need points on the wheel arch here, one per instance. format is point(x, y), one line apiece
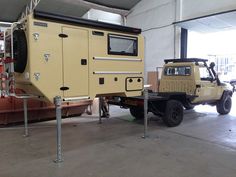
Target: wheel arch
point(227, 92)
point(181, 98)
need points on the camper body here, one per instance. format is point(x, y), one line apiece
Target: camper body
point(77, 58)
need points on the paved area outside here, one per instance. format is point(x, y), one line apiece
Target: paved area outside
point(203, 145)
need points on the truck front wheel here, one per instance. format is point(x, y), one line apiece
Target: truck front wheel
point(137, 112)
point(224, 105)
point(173, 113)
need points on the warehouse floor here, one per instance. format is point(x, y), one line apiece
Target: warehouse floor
point(203, 145)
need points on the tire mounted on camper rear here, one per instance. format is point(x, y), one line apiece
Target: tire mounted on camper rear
point(20, 50)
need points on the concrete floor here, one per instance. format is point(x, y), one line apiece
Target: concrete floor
point(204, 145)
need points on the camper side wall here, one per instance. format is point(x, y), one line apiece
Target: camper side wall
point(73, 61)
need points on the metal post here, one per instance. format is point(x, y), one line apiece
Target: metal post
point(58, 102)
point(26, 118)
point(145, 113)
point(100, 110)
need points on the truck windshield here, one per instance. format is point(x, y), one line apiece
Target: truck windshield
point(205, 74)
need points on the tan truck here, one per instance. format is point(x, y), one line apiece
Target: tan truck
point(184, 83)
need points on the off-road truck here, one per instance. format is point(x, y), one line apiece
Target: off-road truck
point(184, 83)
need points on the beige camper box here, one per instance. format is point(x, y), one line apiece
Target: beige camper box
point(76, 58)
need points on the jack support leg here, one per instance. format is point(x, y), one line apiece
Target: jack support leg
point(58, 103)
point(145, 135)
point(100, 110)
point(26, 133)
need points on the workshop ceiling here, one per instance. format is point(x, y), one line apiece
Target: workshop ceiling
point(213, 23)
point(64, 7)
point(119, 4)
point(10, 10)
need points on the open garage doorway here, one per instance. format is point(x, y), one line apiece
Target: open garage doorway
point(218, 47)
point(212, 37)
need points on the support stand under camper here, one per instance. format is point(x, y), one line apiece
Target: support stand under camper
point(58, 103)
point(145, 105)
point(100, 110)
point(145, 108)
point(25, 106)
point(26, 134)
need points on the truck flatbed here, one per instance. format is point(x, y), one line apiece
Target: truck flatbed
point(155, 96)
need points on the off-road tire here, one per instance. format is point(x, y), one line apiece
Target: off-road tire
point(224, 105)
point(173, 114)
point(20, 50)
point(137, 112)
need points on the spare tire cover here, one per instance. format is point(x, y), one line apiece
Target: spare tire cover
point(20, 50)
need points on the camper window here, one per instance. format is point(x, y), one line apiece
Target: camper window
point(122, 45)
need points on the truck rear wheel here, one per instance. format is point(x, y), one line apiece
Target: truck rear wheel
point(224, 105)
point(137, 112)
point(173, 113)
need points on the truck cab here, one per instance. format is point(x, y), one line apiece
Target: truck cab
point(194, 77)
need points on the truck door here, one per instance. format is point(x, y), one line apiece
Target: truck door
point(75, 62)
point(208, 86)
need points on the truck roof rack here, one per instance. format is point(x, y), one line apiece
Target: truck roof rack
point(185, 60)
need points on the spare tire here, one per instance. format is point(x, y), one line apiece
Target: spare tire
point(20, 50)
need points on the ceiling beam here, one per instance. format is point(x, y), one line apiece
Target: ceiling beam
point(28, 9)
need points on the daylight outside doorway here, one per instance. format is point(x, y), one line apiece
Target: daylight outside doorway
point(218, 47)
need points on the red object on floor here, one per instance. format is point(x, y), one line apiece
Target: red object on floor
point(11, 110)
point(1, 68)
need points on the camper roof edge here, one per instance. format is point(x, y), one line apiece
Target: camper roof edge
point(84, 22)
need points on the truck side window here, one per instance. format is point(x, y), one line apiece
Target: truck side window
point(122, 45)
point(205, 74)
point(178, 71)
